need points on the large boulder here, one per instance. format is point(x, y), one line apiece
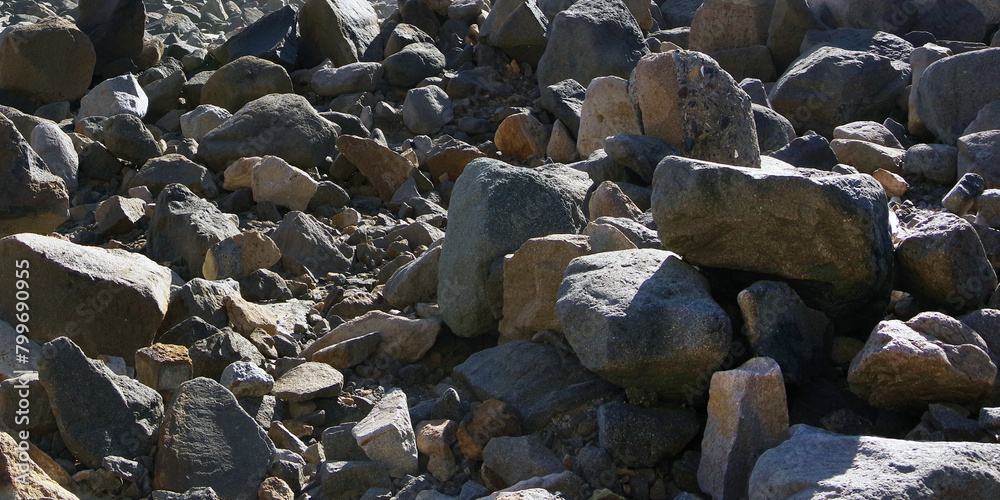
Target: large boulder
point(592, 38)
point(243, 80)
point(32, 199)
point(819, 462)
point(49, 61)
point(184, 226)
point(643, 319)
point(730, 24)
point(98, 413)
point(948, 99)
point(686, 99)
point(116, 28)
point(487, 219)
point(340, 30)
point(82, 287)
point(207, 439)
point(752, 220)
point(283, 125)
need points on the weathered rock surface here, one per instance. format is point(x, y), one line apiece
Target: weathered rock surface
point(33, 200)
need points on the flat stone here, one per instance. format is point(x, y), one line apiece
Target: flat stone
point(407, 340)
point(308, 381)
point(387, 437)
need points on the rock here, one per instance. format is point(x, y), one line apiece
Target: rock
point(960, 198)
point(531, 284)
point(347, 79)
point(872, 466)
point(274, 180)
point(350, 480)
point(487, 220)
point(978, 154)
point(412, 64)
point(934, 162)
point(606, 111)
point(515, 459)
point(208, 440)
point(271, 37)
point(987, 119)
point(711, 118)
point(340, 30)
point(121, 94)
point(163, 367)
point(606, 29)
point(274, 488)
point(521, 136)
point(561, 147)
point(545, 383)
point(98, 413)
point(941, 261)
point(244, 80)
point(308, 381)
point(156, 173)
point(694, 200)
point(385, 169)
point(183, 227)
point(127, 138)
point(116, 28)
point(790, 21)
point(808, 151)
point(730, 24)
point(32, 199)
point(944, 100)
point(414, 282)
point(450, 156)
point(163, 95)
point(387, 437)
point(246, 379)
point(868, 131)
point(608, 200)
point(306, 244)
point(868, 157)
point(210, 356)
point(99, 284)
point(349, 353)
point(282, 125)
point(49, 61)
point(565, 101)
point(642, 437)
point(932, 358)
point(404, 34)
point(239, 255)
point(672, 358)
point(519, 28)
point(773, 130)
point(920, 59)
point(28, 479)
point(245, 317)
point(56, 149)
point(203, 299)
point(196, 124)
point(406, 340)
point(747, 415)
point(426, 110)
point(824, 87)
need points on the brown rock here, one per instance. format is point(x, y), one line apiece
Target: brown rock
point(240, 255)
point(163, 367)
point(349, 353)
point(607, 238)
point(520, 136)
point(434, 439)
point(608, 200)
point(245, 317)
point(32, 199)
point(26, 479)
point(238, 175)
point(449, 157)
point(118, 215)
point(532, 276)
point(50, 61)
point(308, 381)
point(244, 80)
point(606, 111)
point(561, 147)
point(274, 180)
point(274, 488)
point(868, 157)
point(385, 169)
point(894, 184)
point(730, 24)
point(492, 418)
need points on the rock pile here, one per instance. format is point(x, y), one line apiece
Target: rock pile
point(506, 249)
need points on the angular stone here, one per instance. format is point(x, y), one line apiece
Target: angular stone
point(686, 99)
point(387, 437)
point(57, 151)
point(208, 440)
point(790, 21)
point(272, 37)
point(515, 459)
point(385, 169)
point(427, 109)
point(184, 226)
point(246, 317)
point(487, 220)
point(340, 30)
point(197, 123)
point(127, 138)
point(730, 24)
point(156, 173)
point(84, 286)
point(606, 111)
point(532, 276)
point(520, 136)
point(932, 358)
point(49, 61)
point(116, 28)
point(98, 413)
point(243, 80)
point(747, 415)
point(239, 255)
point(979, 153)
point(274, 180)
point(349, 353)
point(402, 338)
point(412, 64)
point(28, 479)
point(245, 379)
point(565, 101)
point(414, 282)
point(201, 298)
point(121, 94)
point(306, 244)
point(308, 381)
point(32, 199)
point(642, 437)
point(350, 480)
point(346, 79)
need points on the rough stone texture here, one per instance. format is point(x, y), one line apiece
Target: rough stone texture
point(934, 162)
point(948, 97)
point(283, 125)
point(156, 173)
point(686, 99)
point(642, 437)
point(412, 64)
point(243, 80)
point(163, 366)
point(427, 109)
point(932, 358)
point(116, 28)
point(644, 319)
point(747, 415)
point(920, 59)
point(350, 480)
point(197, 123)
point(868, 157)
point(790, 21)
point(521, 136)
point(608, 200)
point(515, 459)
point(183, 227)
point(730, 24)
point(385, 169)
point(752, 220)
point(305, 243)
point(773, 130)
point(340, 30)
point(308, 381)
point(543, 383)
point(32, 199)
point(49, 61)
point(941, 260)
point(121, 94)
point(402, 338)
point(127, 138)
point(979, 153)
point(82, 287)
point(414, 282)
point(271, 37)
point(386, 435)
point(29, 480)
point(488, 219)
point(347, 79)
point(532, 276)
point(868, 131)
point(606, 111)
point(815, 460)
point(208, 440)
point(608, 30)
point(238, 256)
point(98, 413)
point(274, 180)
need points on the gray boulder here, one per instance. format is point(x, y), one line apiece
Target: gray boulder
point(412, 64)
point(340, 30)
point(175, 168)
point(642, 437)
point(979, 153)
point(32, 199)
point(306, 244)
point(947, 100)
point(184, 226)
point(487, 219)
point(386, 435)
point(427, 109)
point(773, 130)
point(643, 319)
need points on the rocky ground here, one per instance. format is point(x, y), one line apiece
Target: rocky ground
point(449, 250)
